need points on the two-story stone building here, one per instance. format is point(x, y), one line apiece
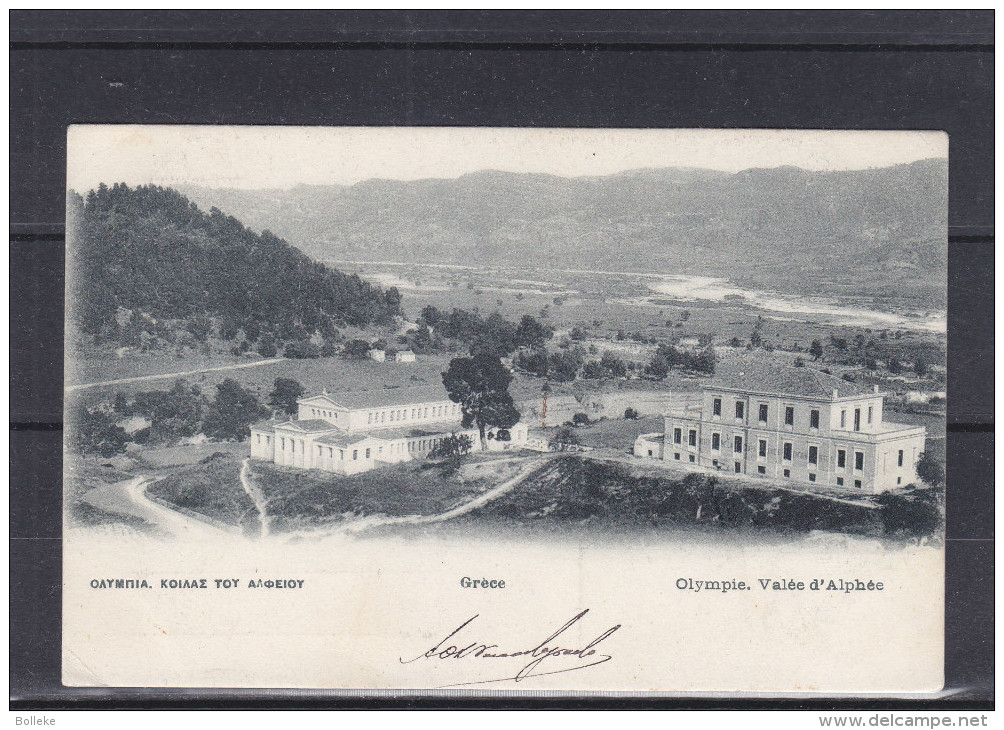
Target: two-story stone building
point(351, 433)
point(791, 424)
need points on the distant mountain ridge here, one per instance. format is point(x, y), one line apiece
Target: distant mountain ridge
point(864, 229)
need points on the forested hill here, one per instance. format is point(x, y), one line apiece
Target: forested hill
point(150, 250)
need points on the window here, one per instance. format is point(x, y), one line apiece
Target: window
point(843, 419)
point(899, 480)
point(369, 418)
point(899, 460)
point(762, 448)
point(761, 470)
point(789, 416)
point(319, 450)
point(857, 419)
point(650, 452)
point(787, 473)
point(716, 407)
point(859, 460)
point(283, 444)
point(813, 455)
point(763, 413)
point(787, 452)
point(812, 477)
point(331, 452)
point(714, 463)
point(355, 454)
point(737, 444)
point(740, 409)
point(367, 453)
point(676, 456)
point(857, 484)
point(292, 446)
point(869, 414)
point(739, 467)
point(341, 454)
point(677, 436)
point(841, 458)
point(840, 481)
point(692, 459)
point(813, 418)
point(716, 442)
point(259, 440)
point(692, 437)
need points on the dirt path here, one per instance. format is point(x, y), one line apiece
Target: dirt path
point(182, 374)
point(366, 523)
point(255, 493)
point(166, 518)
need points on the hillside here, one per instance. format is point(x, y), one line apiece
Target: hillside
point(863, 229)
point(153, 252)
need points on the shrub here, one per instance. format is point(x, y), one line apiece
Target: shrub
point(304, 350)
point(580, 419)
point(630, 414)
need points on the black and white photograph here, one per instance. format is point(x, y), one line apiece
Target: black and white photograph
point(361, 393)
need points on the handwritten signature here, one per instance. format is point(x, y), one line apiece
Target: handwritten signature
point(547, 650)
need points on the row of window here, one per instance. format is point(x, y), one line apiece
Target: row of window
point(321, 413)
point(402, 414)
point(787, 448)
point(419, 445)
point(789, 414)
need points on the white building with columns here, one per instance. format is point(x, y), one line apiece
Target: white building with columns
point(349, 433)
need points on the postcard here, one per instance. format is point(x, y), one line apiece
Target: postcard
point(478, 410)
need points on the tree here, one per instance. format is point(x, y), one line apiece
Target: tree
point(799, 362)
point(564, 366)
point(232, 412)
point(920, 366)
point(930, 470)
point(564, 436)
point(480, 384)
point(658, 366)
point(705, 361)
point(173, 413)
point(613, 365)
point(266, 345)
point(302, 350)
point(199, 326)
point(453, 447)
point(285, 393)
point(580, 419)
point(532, 334)
point(816, 349)
point(356, 349)
point(894, 366)
point(92, 430)
point(535, 361)
point(839, 343)
point(630, 414)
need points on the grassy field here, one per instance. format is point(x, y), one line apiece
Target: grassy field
point(212, 488)
point(303, 499)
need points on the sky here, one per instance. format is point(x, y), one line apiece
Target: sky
point(281, 157)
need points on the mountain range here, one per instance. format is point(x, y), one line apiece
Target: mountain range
point(870, 232)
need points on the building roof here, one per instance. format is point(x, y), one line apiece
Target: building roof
point(268, 425)
point(388, 397)
point(310, 425)
point(758, 377)
point(342, 439)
